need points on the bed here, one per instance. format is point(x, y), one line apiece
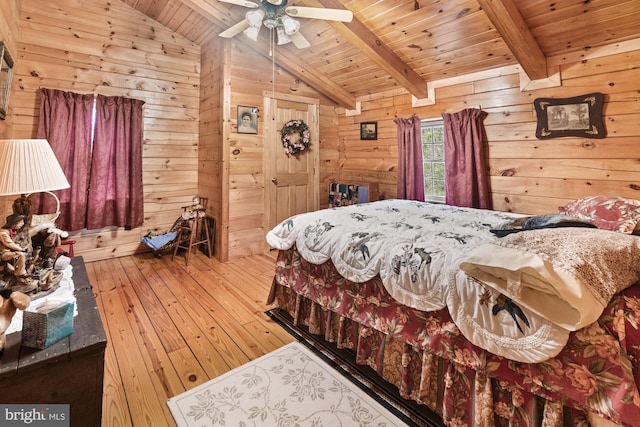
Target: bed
point(484, 317)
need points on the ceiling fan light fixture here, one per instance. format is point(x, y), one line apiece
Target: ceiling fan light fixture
point(277, 17)
point(283, 38)
point(254, 18)
point(271, 23)
point(291, 26)
point(252, 33)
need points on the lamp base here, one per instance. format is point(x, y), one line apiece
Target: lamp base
point(22, 206)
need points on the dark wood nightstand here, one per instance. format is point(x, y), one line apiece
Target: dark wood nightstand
point(70, 371)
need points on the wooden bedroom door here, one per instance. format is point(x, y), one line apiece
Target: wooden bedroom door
point(291, 182)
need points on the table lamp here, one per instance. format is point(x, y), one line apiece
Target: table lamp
point(29, 166)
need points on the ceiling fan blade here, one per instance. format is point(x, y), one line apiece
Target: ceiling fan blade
point(343, 15)
point(299, 40)
point(245, 3)
point(235, 29)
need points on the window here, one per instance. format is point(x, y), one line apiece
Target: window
point(433, 159)
point(98, 142)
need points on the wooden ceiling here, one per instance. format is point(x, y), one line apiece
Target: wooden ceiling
point(404, 44)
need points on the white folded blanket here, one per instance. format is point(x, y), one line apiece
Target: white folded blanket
point(566, 275)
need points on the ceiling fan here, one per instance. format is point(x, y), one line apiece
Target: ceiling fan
point(275, 15)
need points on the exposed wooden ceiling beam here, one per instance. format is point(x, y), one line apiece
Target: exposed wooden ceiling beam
point(508, 20)
point(313, 78)
point(220, 15)
point(213, 11)
point(356, 33)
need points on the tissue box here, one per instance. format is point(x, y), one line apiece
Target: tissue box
point(47, 325)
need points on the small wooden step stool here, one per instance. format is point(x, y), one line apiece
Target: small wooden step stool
point(193, 231)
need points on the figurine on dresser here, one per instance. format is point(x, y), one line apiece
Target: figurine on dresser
point(27, 257)
point(14, 256)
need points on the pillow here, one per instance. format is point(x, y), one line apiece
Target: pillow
point(607, 212)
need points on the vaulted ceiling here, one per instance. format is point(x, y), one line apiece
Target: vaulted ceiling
point(405, 44)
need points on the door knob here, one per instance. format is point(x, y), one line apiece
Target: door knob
point(274, 180)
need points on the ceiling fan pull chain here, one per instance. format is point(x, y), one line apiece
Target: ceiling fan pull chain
point(271, 42)
point(273, 68)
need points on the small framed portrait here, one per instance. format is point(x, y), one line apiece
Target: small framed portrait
point(369, 130)
point(247, 119)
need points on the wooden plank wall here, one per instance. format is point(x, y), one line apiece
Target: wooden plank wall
point(9, 33)
point(210, 152)
point(109, 48)
point(527, 175)
point(331, 147)
point(247, 74)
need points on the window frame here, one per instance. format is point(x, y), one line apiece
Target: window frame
point(433, 123)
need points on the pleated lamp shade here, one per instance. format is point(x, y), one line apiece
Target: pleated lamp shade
point(29, 166)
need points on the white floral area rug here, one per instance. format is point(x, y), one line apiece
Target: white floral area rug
point(288, 387)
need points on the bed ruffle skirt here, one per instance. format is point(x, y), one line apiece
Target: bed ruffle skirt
point(424, 355)
point(452, 391)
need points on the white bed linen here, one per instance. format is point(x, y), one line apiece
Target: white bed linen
point(565, 275)
point(412, 245)
point(418, 248)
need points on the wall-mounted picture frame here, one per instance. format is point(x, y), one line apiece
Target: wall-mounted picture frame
point(247, 119)
point(369, 130)
point(6, 72)
point(577, 116)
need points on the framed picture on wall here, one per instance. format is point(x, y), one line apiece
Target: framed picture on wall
point(247, 119)
point(577, 116)
point(369, 130)
point(6, 71)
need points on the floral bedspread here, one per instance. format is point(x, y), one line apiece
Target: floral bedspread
point(416, 249)
point(596, 372)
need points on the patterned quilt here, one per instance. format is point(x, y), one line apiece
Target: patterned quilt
point(417, 249)
point(414, 246)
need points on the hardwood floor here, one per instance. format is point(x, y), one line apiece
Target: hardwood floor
point(171, 327)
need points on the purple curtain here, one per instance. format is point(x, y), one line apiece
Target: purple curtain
point(410, 170)
point(65, 121)
point(116, 196)
point(467, 183)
